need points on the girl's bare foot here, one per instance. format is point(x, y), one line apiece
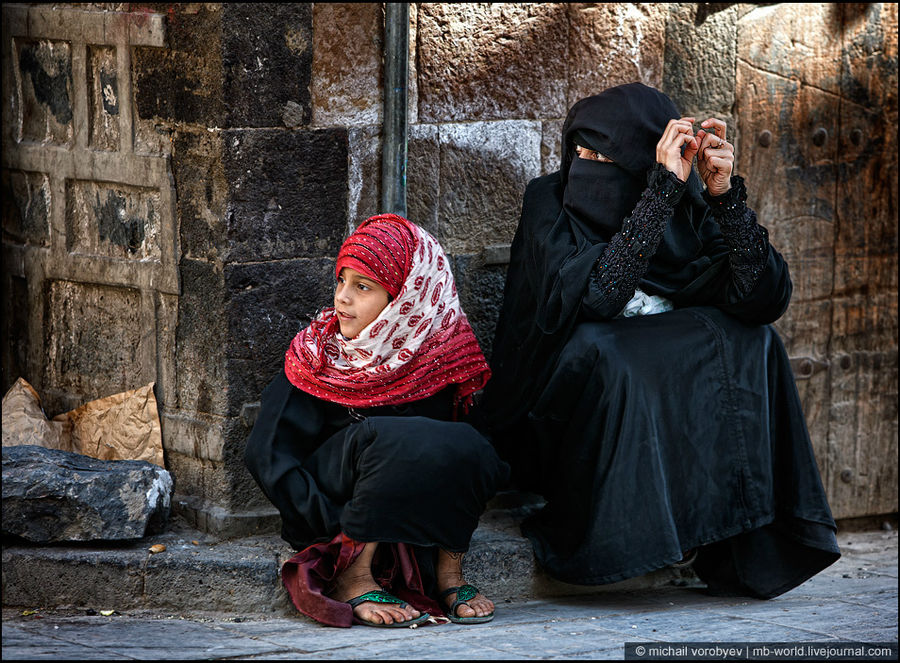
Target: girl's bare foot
point(449, 574)
point(357, 580)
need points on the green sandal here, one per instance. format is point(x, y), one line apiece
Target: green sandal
point(381, 596)
point(464, 593)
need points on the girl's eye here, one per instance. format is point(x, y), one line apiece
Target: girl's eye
point(363, 286)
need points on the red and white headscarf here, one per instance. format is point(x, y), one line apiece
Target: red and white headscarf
point(420, 343)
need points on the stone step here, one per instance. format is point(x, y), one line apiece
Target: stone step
point(197, 573)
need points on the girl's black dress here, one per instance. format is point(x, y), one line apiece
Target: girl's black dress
point(650, 436)
point(392, 474)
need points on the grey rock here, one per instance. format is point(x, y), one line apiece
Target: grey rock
point(52, 496)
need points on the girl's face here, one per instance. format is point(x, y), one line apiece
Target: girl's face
point(357, 301)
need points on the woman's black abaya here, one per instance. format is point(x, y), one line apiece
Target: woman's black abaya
point(650, 436)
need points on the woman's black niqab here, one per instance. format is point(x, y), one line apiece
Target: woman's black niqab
point(568, 218)
point(650, 435)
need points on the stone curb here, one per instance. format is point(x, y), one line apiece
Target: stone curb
point(243, 575)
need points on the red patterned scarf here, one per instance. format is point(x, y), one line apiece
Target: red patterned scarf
point(418, 345)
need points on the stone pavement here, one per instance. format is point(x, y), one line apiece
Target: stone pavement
point(243, 574)
point(853, 601)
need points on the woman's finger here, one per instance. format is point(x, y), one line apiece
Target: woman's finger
point(711, 139)
point(676, 134)
point(721, 163)
point(676, 126)
point(719, 128)
point(712, 145)
point(691, 150)
point(721, 152)
point(678, 141)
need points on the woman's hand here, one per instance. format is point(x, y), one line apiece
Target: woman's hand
point(678, 134)
point(715, 158)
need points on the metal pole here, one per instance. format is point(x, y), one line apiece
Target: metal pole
point(395, 126)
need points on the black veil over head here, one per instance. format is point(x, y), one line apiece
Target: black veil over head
point(624, 123)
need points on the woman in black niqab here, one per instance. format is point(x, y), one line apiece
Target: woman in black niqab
point(652, 435)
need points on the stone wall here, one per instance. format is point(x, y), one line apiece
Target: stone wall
point(180, 237)
point(177, 179)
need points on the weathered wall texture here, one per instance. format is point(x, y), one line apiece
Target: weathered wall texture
point(177, 179)
point(167, 217)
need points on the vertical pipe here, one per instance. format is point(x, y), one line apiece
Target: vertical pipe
point(395, 124)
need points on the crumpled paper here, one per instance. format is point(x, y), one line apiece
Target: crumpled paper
point(124, 426)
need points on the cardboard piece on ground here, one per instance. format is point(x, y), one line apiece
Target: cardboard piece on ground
point(124, 426)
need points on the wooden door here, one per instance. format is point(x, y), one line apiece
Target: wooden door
point(816, 109)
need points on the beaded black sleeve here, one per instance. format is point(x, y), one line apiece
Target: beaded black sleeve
point(616, 274)
point(748, 241)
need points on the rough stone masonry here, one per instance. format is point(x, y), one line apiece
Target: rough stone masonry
point(177, 179)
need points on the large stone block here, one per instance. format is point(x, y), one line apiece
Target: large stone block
point(206, 455)
point(288, 193)
point(243, 492)
point(700, 59)
point(14, 343)
point(113, 220)
point(269, 303)
point(182, 82)
point(52, 496)
point(610, 44)
point(551, 146)
point(103, 97)
point(99, 575)
point(200, 339)
point(480, 288)
point(198, 476)
point(166, 317)
point(247, 580)
point(364, 174)
point(423, 182)
point(197, 436)
point(347, 63)
point(26, 207)
point(202, 193)
point(485, 167)
point(492, 61)
point(45, 91)
point(94, 340)
point(266, 61)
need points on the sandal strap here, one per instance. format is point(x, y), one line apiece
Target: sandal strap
point(463, 593)
point(376, 596)
point(466, 591)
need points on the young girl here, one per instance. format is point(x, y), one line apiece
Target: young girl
point(358, 442)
